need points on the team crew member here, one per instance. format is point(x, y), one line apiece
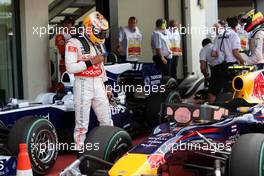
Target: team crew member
point(228, 45)
point(61, 40)
point(175, 47)
point(84, 58)
point(130, 42)
point(216, 65)
point(160, 46)
point(218, 29)
point(254, 24)
point(243, 35)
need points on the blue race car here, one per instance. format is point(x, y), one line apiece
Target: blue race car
point(49, 119)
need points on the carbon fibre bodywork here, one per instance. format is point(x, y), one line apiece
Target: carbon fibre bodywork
point(171, 140)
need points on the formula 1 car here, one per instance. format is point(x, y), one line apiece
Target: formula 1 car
point(201, 139)
point(49, 119)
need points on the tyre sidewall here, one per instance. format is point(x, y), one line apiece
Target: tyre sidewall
point(173, 95)
point(108, 145)
point(245, 157)
point(30, 137)
point(25, 131)
point(117, 139)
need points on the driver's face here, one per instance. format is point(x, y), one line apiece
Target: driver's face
point(132, 24)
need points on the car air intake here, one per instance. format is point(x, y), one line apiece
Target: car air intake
point(238, 83)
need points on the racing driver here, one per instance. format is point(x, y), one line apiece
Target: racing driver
point(254, 23)
point(84, 58)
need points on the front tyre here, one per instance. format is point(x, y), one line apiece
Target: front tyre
point(111, 142)
point(41, 139)
point(247, 157)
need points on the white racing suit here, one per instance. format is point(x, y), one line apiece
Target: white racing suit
point(257, 48)
point(89, 89)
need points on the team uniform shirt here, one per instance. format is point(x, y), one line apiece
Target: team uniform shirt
point(226, 43)
point(58, 42)
point(205, 55)
point(160, 39)
point(130, 43)
point(175, 42)
point(257, 56)
point(244, 38)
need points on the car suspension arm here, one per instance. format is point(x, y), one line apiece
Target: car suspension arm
point(73, 169)
point(211, 144)
point(211, 156)
point(199, 167)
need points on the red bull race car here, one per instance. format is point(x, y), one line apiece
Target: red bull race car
point(199, 139)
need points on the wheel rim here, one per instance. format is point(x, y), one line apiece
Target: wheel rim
point(45, 144)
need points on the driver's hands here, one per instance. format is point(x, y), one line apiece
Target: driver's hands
point(94, 59)
point(164, 61)
point(97, 59)
point(109, 92)
point(85, 57)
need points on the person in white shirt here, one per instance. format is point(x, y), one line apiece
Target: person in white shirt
point(243, 35)
point(130, 42)
point(216, 65)
point(160, 46)
point(228, 46)
point(58, 42)
point(175, 47)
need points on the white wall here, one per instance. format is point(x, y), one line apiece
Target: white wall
point(195, 20)
point(211, 12)
point(147, 12)
point(175, 14)
point(260, 5)
point(35, 66)
point(175, 10)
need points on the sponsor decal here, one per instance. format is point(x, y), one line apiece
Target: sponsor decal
point(258, 90)
point(44, 116)
point(148, 145)
point(156, 160)
point(117, 109)
point(153, 80)
point(156, 138)
point(8, 165)
point(233, 139)
point(164, 135)
point(72, 49)
point(233, 128)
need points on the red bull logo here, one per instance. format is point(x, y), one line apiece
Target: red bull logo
point(258, 90)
